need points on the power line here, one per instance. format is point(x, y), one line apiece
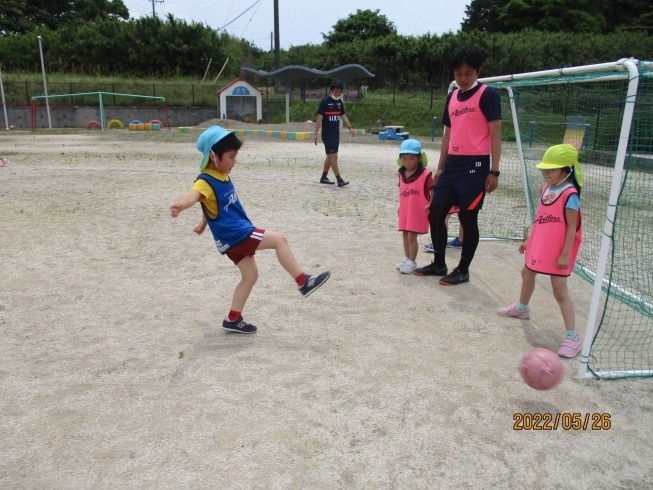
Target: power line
point(243, 13)
point(252, 17)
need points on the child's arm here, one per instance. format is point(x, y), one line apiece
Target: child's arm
point(186, 201)
point(318, 125)
point(348, 125)
point(199, 229)
point(492, 182)
point(571, 215)
point(428, 206)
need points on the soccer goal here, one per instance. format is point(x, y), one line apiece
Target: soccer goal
point(100, 95)
point(606, 112)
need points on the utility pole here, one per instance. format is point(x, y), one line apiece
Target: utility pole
point(277, 54)
point(153, 11)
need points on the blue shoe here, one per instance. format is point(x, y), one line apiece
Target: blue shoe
point(429, 247)
point(313, 283)
point(238, 325)
point(455, 243)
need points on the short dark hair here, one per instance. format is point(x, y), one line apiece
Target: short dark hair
point(470, 55)
point(228, 143)
point(337, 84)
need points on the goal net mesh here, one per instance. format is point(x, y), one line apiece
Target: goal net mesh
point(587, 111)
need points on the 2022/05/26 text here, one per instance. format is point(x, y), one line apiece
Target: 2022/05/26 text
point(564, 421)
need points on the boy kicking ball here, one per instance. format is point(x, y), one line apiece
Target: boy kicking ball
point(233, 232)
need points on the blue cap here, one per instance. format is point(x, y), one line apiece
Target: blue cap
point(209, 138)
point(414, 147)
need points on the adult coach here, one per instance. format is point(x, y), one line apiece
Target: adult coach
point(472, 134)
point(329, 113)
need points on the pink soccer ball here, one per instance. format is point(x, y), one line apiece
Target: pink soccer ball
point(541, 369)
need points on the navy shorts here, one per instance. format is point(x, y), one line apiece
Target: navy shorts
point(330, 145)
point(462, 183)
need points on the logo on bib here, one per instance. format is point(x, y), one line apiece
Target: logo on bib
point(547, 219)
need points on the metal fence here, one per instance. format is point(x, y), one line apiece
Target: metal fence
point(205, 96)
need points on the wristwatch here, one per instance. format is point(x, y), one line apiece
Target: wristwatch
point(496, 173)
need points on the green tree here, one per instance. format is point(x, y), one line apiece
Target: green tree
point(483, 15)
point(361, 26)
point(21, 16)
point(585, 16)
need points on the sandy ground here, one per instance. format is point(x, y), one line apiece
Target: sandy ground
point(115, 373)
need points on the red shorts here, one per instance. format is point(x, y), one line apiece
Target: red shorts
point(454, 210)
point(246, 248)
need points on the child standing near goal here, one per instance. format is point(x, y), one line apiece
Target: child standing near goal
point(233, 232)
point(415, 193)
point(555, 239)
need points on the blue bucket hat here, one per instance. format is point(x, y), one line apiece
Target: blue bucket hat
point(414, 147)
point(206, 141)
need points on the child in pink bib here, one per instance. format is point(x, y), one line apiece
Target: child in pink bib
point(415, 192)
point(555, 239)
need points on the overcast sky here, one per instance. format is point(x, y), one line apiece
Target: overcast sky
point(302, 21)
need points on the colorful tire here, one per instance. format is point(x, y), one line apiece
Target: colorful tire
point(115, 122)
point(136, 121)
point(156, 121)
point(90, 124)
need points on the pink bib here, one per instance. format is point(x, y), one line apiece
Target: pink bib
point(412, 201)
point(470, 131)
point(547, 237)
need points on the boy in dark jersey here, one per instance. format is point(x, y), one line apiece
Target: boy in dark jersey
point(329, 113)
point(234, 234)
point(472, 120)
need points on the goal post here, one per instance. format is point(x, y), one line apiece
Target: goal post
point(101, 96)
point(606, 111)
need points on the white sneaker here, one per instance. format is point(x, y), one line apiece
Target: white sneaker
point(408, 267)
point(401, 264)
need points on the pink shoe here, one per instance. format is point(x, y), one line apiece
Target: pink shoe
point(570, 347)
point(513, 311)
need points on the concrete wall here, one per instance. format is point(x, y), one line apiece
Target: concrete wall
point(77, 117)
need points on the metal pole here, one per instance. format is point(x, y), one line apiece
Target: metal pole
point(101, 113)
point(4, 105)
point(277, 51)
point(522, 160)
point(45, 85)
point(613, 200)
point(287, 104)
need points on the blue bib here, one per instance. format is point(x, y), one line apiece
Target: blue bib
point(232, 226)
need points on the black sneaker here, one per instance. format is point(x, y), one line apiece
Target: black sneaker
point(456, 277)
point(342, 183)
point(238, 325)
point(431, 270)
point(325, 180)
point(312, 283)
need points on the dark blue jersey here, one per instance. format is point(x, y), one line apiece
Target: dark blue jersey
point(490, 104)
point(331, 112)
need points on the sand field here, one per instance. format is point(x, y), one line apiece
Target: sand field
point(115, 373)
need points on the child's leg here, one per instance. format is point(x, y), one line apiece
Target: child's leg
point(521, 309)
point(278, 242)
point(406, 247)
point(527, 285)
point(410, 245)
point(249, 273)
point(561, 294)
point(460, 233)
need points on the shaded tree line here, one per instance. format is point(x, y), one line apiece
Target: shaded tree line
point(138, 47)
point(93, 37)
